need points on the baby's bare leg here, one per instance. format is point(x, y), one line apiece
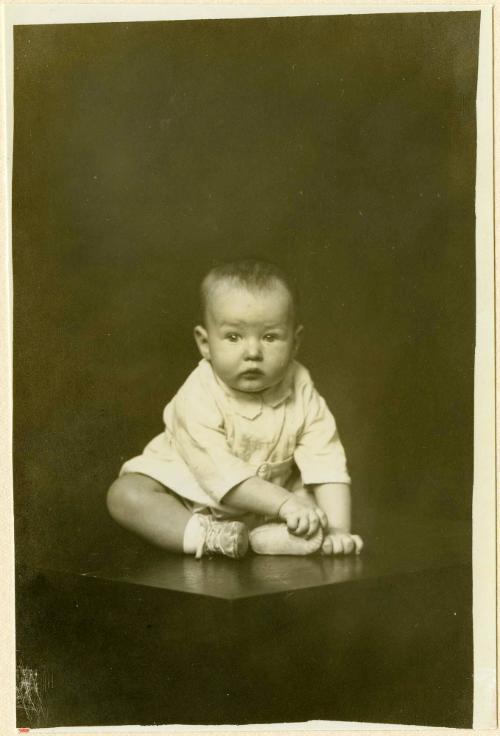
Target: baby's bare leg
point(143, 506)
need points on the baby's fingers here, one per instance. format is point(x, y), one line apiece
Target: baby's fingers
point(292, 522)
point(313, 524)
point(303, 525)
point(297, 524)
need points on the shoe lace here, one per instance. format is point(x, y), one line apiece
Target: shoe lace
point(213, 541)
point(211, 538)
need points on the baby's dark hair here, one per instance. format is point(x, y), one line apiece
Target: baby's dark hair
point(251, 273)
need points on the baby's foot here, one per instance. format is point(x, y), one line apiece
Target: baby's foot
point(229, 538)
point(275, 539)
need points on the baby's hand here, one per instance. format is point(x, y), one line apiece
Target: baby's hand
point(341, 543)
point(301, 518)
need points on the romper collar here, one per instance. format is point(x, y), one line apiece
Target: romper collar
point(250, 405)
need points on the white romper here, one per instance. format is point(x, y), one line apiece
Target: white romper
point(216, 437)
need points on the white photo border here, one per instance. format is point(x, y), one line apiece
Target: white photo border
point(484, 491)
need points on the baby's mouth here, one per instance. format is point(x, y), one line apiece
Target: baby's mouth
point(252, 373)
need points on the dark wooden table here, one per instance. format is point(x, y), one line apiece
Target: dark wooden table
point(131, 635)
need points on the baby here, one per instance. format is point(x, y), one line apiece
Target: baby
point(250, 455)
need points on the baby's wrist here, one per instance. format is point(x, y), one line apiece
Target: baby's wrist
point(280, 507)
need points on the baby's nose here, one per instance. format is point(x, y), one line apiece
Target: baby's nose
point(253, 350)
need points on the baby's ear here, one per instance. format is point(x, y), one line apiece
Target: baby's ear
point(298, 337)
point(201, 337)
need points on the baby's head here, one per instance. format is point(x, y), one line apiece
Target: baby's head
point(250, 332)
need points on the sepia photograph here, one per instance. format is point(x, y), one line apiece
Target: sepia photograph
point(251, 305)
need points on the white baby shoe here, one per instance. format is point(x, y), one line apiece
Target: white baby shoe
point(229, 538)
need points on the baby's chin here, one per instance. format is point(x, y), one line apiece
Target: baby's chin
point(252, 385)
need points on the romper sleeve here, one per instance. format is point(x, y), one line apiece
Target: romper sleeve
point(319, 453)
point(198, 431)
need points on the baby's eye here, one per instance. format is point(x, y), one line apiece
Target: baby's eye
point(232, 337)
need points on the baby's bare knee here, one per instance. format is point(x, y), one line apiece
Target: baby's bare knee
point(126, 495)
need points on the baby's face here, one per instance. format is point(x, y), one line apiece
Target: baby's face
point(249, 338)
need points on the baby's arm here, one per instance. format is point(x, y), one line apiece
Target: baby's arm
point(335, 500)
point(200, 435)
point(261, 497)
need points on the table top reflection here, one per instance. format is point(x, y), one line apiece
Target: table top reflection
point(392, 548)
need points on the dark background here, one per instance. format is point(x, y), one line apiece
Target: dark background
point(341, 147)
